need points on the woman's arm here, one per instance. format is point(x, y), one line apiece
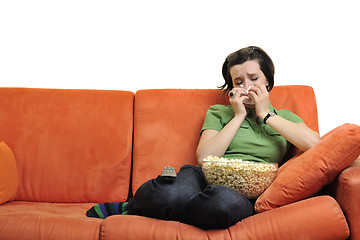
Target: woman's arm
point(215, 143)
point(297, 133)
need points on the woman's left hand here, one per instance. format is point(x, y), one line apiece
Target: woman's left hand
point(260, 96)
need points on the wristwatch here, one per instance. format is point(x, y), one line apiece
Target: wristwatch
point(270, 114)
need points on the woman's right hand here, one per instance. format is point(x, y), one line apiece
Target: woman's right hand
point(237, 101)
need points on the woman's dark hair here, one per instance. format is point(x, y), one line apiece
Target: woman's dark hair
point(243, 55)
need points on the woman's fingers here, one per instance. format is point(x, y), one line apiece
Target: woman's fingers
point(236, 99)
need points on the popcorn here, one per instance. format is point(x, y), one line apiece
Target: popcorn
point(248, 178)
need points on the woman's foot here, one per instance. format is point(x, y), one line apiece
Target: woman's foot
point(103, 210)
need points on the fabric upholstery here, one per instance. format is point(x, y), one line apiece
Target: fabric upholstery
point(305, 175)
point(56, 221)
point(305, 219)
point(314, 218)
point(300, 100)
point(348, 195)
point(167, 129)
point(8, 174)
point(168, 123)
point(69, 145)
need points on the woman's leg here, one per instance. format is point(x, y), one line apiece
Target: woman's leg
point(161, 198)
point(217, 207)
point(187, 199)
point(167, 199)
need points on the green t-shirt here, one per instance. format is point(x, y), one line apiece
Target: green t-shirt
point(253, 141)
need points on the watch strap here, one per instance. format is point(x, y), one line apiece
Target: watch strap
point(270, 114)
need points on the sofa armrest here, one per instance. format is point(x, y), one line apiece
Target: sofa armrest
point(346, 189)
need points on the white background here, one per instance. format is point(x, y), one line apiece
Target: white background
point(132, 45)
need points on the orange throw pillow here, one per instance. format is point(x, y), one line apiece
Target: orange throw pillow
point(304, 175)
point(8, 174)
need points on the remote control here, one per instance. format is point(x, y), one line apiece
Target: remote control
point(169, 172)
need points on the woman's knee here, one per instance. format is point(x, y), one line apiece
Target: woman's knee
point(166, 199)
point(217, 207)
point(189, 182)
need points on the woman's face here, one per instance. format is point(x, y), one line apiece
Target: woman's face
point(247, 74)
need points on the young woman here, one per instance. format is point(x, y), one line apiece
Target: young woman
point(250, 129)
point(251, 114)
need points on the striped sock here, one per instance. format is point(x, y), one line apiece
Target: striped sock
point(103, 210)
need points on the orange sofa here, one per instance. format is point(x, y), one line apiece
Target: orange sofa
point(62, 151)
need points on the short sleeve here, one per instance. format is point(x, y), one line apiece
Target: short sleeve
point(288, 115)
point(213, 119)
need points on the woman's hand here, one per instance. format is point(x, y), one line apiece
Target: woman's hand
point(237, 101)
point(260, 96)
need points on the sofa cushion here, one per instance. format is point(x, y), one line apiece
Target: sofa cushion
point(305, 175)
point(39, 220)
point(145, 228)
point(300, 100)
point(69, 145)
point(302, 220)
point(306, 219)
point(167, 128)
point(8, 174)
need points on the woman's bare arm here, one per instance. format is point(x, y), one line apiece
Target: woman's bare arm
point(297, 133)
point(215, 143)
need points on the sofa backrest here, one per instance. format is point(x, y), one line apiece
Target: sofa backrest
point(168, 122)
point(69, 145)
point(300, 100)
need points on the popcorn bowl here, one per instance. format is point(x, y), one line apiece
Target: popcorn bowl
point(248, 178)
